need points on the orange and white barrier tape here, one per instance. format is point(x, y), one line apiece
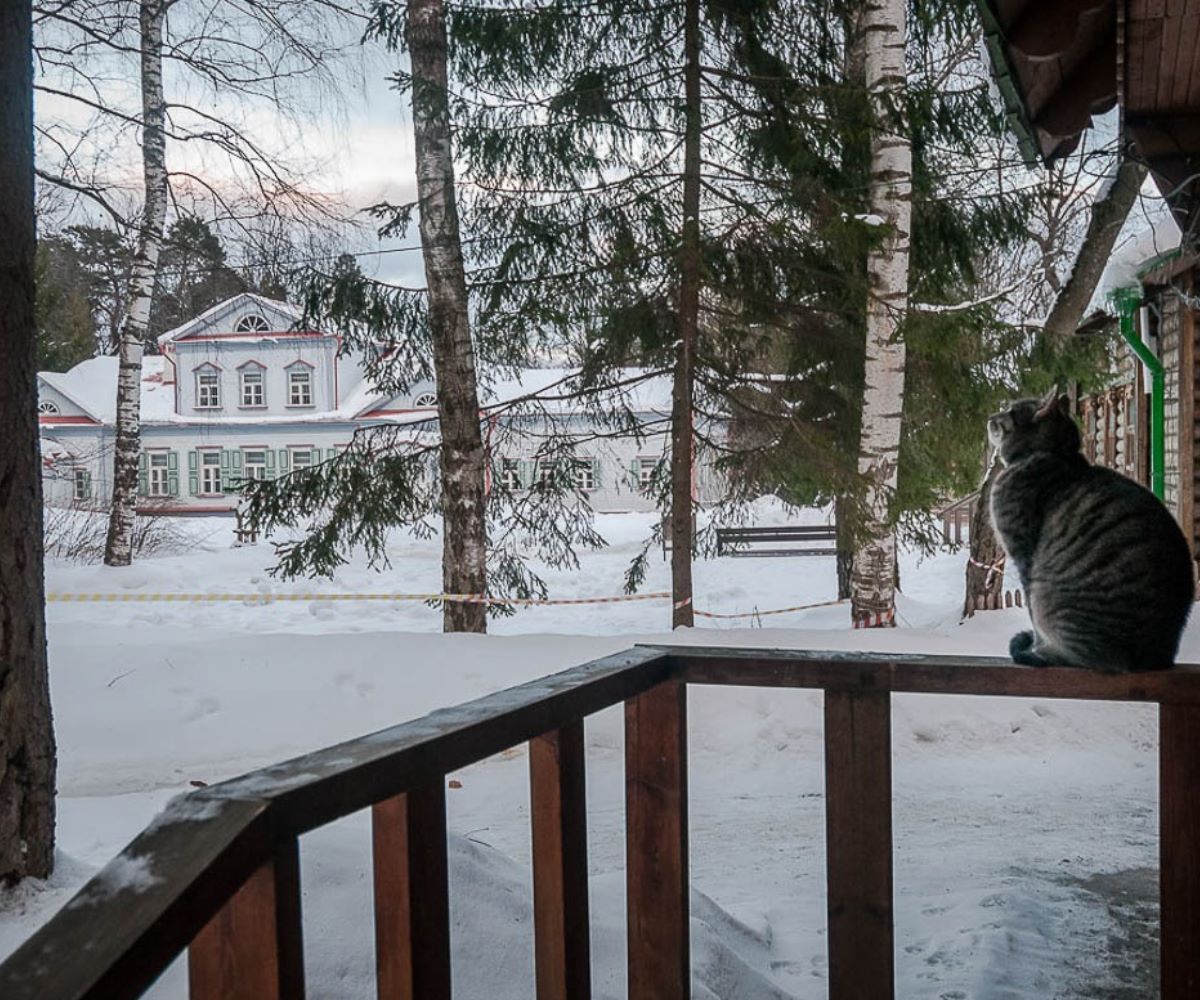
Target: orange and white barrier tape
point(271, 598)
point(274, 598)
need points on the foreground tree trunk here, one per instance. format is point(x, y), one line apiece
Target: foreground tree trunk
point(464, 524)
point(985, 572)
point(26, 732)
point(873, 600)
point(118, 548)
point(689, 323)
point(1108, 216)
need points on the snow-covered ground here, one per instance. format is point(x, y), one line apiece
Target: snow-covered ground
point(1025, 831)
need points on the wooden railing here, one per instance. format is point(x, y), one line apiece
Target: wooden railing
point(218, 872)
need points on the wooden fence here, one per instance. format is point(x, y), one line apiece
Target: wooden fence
point(220, 873)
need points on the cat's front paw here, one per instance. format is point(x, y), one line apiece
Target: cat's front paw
point(1020, 648)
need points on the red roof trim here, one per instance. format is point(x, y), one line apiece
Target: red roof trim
point(44, 418)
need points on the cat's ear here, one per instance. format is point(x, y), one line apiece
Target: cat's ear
point(1050, 402)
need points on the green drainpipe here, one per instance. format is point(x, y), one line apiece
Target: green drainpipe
point(1127, 301)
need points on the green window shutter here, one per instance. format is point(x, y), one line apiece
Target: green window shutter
point(330, 454)
point(635, 468)
point(526, 470)
point(226, 471)
point(596, 473)
point(173, 473)
point(193, 473)
point(270, 463)
point(283, 461)
point(143, 475)
point(87, 485)
point(236, 460)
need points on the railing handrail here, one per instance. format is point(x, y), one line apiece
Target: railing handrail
point(143, 908)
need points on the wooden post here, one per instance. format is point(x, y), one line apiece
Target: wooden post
point(253, 948)
point(858, 844)
point(412, 902)
point(1179, 849)
point(656, 854)
point(558, 807)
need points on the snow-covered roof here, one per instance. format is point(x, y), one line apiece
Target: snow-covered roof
point(92, 386)
point(1146, 235)
point(289, 313)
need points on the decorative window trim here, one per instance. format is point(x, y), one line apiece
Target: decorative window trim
point(252, 323)
point(425, 400)
point(252, 368)
point(158, 477)
point(49, 408)
point(203, 371)
point(81, 483)
point(203, 466)
point(307, 399)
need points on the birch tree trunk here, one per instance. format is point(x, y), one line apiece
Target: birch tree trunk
point(118, 549)
point(1109, 212)
point(683, 387)
point(464, 525)
point(873, 600)
point(26, 733)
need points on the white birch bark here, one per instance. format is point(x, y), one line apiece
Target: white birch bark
point(873, 597)
point(118, 549)
point(464, 523)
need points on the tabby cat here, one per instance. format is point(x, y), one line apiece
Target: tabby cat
point(1104, 566)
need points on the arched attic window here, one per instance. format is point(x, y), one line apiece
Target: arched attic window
point(252, 323)
point(425, 399)
point(48, 408)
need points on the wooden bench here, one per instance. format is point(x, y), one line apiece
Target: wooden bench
point(746, 541)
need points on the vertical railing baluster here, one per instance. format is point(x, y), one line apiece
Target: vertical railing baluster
point(1179, 849)
point(412, 902)
point(558, 805)
point(656, 855)
point(858, 844)
point(253, 948)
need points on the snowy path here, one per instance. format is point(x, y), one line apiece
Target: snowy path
point(1020, 826)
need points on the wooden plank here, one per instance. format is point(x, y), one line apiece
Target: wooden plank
point(319, 787)
point(558, 808)
point(899, 672)
point(656, 853)
point(135, 931)
point(1179, 850)
point(253, 948)
point(412, 900)
point(858, 844)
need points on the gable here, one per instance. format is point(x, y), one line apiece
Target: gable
point(56, 405)
point(245, 315)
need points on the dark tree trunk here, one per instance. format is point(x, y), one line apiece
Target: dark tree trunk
point(464, 524)
point(1108, 216)
point(689, 322)
point(845, 546)
point(985, 581)
point(26, 731)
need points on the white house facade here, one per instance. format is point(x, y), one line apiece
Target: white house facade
point(243, 392)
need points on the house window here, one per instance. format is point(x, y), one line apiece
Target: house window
point(425, 399)
point(160, 485)
point(252, 323)
point(302, 458)
point(253, 387)
point(646, 467)
point(585, 474)
point(510, 474)
point(48, 408)
point(546, 469)
point(210, 473)
point(82, 484)
point(254, 463)
point(300, 388)
point(208, 390)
